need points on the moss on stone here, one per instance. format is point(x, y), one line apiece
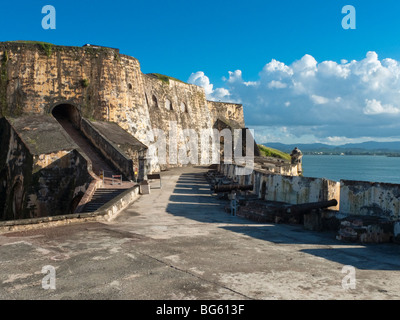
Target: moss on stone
point(85, 83)
point(47, 48)
point(164, 78)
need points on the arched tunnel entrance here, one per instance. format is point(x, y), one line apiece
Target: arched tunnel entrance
point(77, 128)
point(67, 112)
point(70, 119)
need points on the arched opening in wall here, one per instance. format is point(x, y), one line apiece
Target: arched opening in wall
point(130, 86)
point(155, 102)
point(67, 113)
point(168, 105)
point(263, 190)
point(184, 107)
point(17, 195)
point(108, 113)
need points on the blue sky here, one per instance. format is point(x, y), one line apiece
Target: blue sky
point(251, 52)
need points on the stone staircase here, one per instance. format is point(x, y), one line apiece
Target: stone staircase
point(101, 197)
point(110, 188)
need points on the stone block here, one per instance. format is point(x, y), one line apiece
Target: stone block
point(366, 229)
point(144, 187)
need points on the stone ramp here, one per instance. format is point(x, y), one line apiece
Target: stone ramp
point(98, 162)
point(110, 187)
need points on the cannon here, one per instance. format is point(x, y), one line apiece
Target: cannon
point(231, 187)
point(307, 207)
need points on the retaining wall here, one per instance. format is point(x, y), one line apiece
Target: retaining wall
point(289, 189)
point(111, 152)
point(106, 213)
point(370, 198)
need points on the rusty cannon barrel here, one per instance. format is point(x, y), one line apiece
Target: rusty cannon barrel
point(307, 207)
point(231, 187)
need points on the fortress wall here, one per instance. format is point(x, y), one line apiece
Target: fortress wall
point(289, 189)
point(114, 155)
point(370, 198)
point(124, 101)
point(188, 112)
point(58, 186)
point(35, 184)
point(106, 85)
point(99, 81)
point(231, 113)
point(15, 173)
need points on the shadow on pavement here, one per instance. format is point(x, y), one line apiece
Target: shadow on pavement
point(192, 199)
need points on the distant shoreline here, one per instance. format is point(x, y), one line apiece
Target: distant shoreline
point(370, 148)
point(383, 154)
point(372, 168)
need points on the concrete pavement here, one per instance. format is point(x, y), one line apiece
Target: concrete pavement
point(178, 243)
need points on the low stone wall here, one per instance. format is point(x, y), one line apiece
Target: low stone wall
point(111, 152)
point(372, 211)
point(110, 210)
point(289, 189)
point(106, 213)
point(370, 198)
point(366, 211)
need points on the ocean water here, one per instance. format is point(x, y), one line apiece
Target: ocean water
point(360, 168)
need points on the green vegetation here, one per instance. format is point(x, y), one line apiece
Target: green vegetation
point(85, 83)
point(31, 42)
point(269, 152)
point(95, 51)
point(47, 48)
point(164, 78)
point(117, 56)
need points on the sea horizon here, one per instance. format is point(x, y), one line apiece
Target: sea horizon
point(372, 168)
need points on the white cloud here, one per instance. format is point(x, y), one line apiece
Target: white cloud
point(318, 99)
point(277, 67)
point(276, 85)
point(375, 107)
point(220, 94)
point(354, 95)
point(337, 140)
point(200, 79)
point(306, 66)
point(331, 68)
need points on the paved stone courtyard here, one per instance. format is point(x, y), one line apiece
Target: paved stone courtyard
point(178, 243)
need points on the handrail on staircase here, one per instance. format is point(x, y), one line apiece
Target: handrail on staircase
point(115, 178)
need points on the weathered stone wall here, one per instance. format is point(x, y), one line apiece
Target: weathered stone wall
point(58, 182)
point(109, 151)
point(366, 211)
point(230, 113)
point(15, 173)
point(288, 189)
point(370, 198)
point(37, 184)
point(104, 85)
point(173, 107)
